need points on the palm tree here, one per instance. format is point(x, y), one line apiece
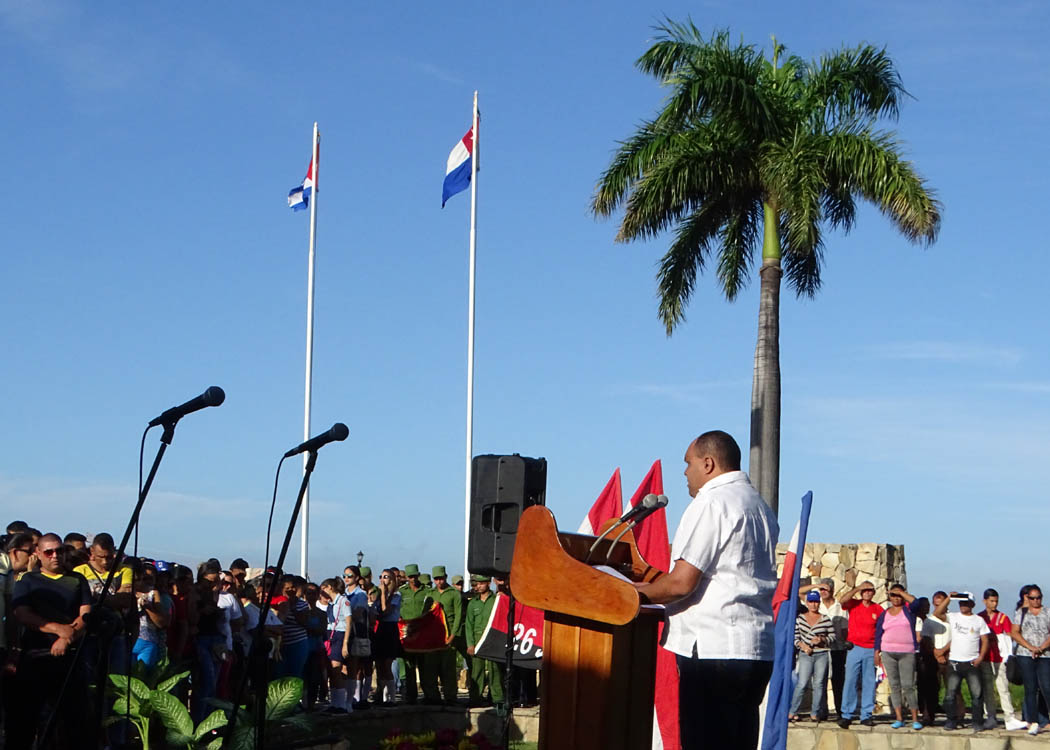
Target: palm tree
point(747, 147)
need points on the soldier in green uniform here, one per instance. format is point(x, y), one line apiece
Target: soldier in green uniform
point(415, 602)
point(482, 671)
point(424, 579)
point(445, 661)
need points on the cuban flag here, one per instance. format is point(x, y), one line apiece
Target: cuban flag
point(457, 171)
point(299, 197)
point(782, 682)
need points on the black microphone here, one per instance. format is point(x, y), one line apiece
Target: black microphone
point(211, 397)
point(657, 504)
point(339, 431)
point(648, 502)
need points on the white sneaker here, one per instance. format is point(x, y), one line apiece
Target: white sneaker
point(1033, 728)
point(1012, 725)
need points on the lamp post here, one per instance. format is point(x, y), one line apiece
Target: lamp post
point(360, 557)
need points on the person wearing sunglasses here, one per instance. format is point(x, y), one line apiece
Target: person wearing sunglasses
point(1031, 631)
point(14, 561)
point(860, 661)
point(51, 606)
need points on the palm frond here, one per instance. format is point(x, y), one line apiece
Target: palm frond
point(802, 266)
point(629, 164)
point(855, 82)
point(871, 165)
point(685, 258)
point(697, 167)
point(740, 236)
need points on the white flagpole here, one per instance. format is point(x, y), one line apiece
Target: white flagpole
point(470, 336)
point(309, 342)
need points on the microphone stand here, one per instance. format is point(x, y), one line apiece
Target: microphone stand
point(93, 620)
point(258, 652)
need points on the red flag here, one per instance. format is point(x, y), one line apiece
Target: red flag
point(608, 505)
point(426, 633)
point(654, 546)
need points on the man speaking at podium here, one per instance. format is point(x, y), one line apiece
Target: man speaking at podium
point(720, 598)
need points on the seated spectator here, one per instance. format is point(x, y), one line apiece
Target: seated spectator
point(969, 647)
point(895, 648)
point(814, 633)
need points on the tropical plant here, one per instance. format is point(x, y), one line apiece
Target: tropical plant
point(282, 699)
point(142, 695)
point(745, 148)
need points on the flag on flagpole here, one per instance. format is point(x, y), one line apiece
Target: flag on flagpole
point(782, 683)
point(299, 196)
point(457, 170)
point(654, 546)
point(608, 505)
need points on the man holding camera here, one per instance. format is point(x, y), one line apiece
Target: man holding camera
point(969, 648)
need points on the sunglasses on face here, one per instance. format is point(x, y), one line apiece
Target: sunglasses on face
point(50, 551)
point(1036, 598)
point(23, 551)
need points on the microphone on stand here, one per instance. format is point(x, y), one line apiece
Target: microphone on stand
point(338, 432)
point(214, 396)
point(649, 501)
point(661, 502)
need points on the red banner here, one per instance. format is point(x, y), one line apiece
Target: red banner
point(426, 633)
point(528, 635)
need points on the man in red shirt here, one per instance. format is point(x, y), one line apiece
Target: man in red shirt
point(993, 671)
point(860, 660)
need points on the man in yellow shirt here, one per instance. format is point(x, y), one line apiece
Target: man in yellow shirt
point(118, 627)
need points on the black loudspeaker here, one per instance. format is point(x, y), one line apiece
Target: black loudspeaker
point(501, 488)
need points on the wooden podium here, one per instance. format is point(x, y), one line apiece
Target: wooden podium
point(599, 643)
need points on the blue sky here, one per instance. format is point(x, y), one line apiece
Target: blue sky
point(148, 253)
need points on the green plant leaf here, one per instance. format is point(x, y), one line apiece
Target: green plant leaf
point(282, 696)
point(243, 738)
point(177, 739)
point(172, 712)
point(172, 681)
point(214, 720)
point(215, 744)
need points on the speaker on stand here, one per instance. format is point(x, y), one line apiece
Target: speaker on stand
point(501, 488)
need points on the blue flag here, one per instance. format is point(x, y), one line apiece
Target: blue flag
point(782, 681)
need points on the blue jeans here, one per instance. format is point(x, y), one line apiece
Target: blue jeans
point(207, 674)
point(860, 666)
point(293, 659)
point(1036, 674)
point(957, 672)
point(148, 652)
point(812, 672)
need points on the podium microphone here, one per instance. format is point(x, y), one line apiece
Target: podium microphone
point(214, 396)
point(338, 432)
point(661, 502)
point(648, 503)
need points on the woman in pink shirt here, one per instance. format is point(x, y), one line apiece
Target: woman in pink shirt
point(895, 648)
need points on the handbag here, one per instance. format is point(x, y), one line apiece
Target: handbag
point(1013, 667)
point(360, 646)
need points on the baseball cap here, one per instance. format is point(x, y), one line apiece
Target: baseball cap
point(813, 596)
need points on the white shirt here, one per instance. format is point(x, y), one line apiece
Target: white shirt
point(839, 621)
point(936, 630)
point(966, 636)
point(730, 534)
point(231, 610)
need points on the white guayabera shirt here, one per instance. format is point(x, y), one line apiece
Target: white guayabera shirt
point(730, 534)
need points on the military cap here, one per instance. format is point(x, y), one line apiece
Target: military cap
point(424, 578)
point(411, 570)
point(439, 572)
point(365, 571)
point(457, 579)
point(479, 579)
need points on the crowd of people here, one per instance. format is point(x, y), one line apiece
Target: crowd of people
point(920, 649)
point(73, 612)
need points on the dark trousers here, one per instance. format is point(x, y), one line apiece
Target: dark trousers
point(929, 685)
point(953, 704)
point(718, 702)
point(35, 689)
point(1036, 674)
point(838, 679)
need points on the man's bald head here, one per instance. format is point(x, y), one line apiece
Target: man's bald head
point(721, 447)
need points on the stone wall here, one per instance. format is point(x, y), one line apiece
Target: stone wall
point(882, 564)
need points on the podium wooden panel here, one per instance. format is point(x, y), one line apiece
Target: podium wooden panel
point(599, 643)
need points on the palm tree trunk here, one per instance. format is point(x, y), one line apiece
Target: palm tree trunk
point(764, 463)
